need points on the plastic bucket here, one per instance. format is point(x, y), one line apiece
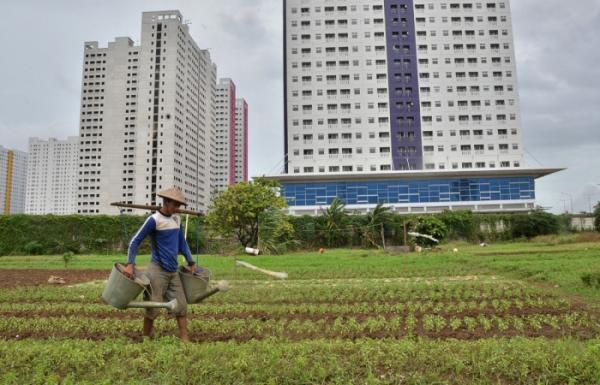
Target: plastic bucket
point(194, 285)
point(120, 290)
point(251, 251)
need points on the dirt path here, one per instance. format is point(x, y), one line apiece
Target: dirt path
point(10, 278)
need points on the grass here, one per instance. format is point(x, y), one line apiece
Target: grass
point(553, 263)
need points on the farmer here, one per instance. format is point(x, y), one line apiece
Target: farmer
point(167, 242)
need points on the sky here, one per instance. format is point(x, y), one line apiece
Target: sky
point(558, 67)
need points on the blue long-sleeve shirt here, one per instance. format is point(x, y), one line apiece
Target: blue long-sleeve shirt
point(167, 241)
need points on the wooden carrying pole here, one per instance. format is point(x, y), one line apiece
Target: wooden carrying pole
point(154, 208)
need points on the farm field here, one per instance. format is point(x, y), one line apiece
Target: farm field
point(505, 314)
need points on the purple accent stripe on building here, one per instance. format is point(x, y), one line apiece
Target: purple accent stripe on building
point(403, 82)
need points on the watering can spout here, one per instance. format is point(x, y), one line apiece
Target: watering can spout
point(171, 305)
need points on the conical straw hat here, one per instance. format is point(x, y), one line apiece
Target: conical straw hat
point(174, 194)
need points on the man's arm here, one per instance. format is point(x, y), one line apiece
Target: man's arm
point(148, 227)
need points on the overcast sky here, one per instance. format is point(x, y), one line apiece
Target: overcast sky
point(558, 64)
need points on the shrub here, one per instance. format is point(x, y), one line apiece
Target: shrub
point(275, 232)
point(533, 224)
point(461, 224)
point(67, 258)
point(430, 226)
point(33, 248)
point(591, 279)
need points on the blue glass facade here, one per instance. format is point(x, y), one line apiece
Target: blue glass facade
point(410, 191)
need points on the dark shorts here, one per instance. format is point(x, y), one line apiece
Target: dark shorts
point(166, 286)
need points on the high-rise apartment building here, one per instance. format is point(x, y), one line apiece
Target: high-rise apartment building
point(231, 140)
point(147, 118)
point(13, 176)
point(408, 102)
point(225, 135)
point(52, 176)
point(241, 140)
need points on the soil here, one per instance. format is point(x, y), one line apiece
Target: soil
point(10, 278)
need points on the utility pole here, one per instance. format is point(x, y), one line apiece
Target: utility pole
point(571, 199)
point(589, 199)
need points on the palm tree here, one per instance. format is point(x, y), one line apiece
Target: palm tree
point(336, 218)
point(375, 219)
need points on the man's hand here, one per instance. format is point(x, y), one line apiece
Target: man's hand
point(129, 270)
point(192, 268)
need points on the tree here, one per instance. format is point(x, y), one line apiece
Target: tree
point(275, 233)
point(336, 222)
point(597, 216)
point(236, 211)
point(374, 221)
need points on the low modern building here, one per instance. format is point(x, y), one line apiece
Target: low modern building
point(583, 222)
point(52, 176)
point(13, 176)
point(412, 192)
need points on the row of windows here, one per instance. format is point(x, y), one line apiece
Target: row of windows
point(402, 7)
point(420, 21)
point(429, 191)
point(387, 167)
point(478, 148)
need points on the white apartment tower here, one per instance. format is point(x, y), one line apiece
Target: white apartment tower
point(147, 118)
point(225, 135)
point(231, 141)
point(241, 140)
point(400, 85)
point(408, 103)
point(52, 176)
point(13, 176)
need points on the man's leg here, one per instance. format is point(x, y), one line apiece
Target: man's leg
point(175, 291)
point(148, 327)
point(158, 283)
point(183, 330)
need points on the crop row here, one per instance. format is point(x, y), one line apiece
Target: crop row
point(361, 361)
point(340, 327)
point(211, 308)
point(277, 292)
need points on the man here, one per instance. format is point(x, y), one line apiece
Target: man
point(167, 241)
